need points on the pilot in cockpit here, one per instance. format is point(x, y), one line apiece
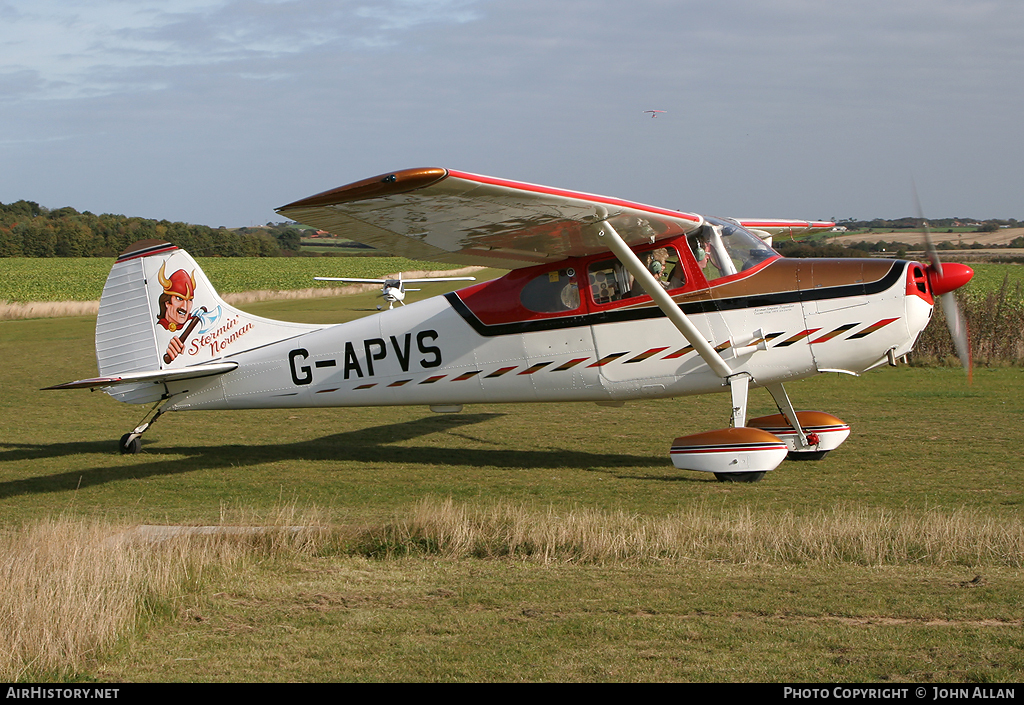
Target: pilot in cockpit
point(655, 261)
point(705, 256)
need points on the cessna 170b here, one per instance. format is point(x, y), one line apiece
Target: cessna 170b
point(606, 301)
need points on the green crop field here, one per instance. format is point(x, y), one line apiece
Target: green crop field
point(513, 543)
point(82, 279)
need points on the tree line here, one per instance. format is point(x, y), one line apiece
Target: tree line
point(980, 226)
point(30, 230)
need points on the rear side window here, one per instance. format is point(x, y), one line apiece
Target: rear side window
point(551, 292)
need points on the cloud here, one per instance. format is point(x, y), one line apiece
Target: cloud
point(76, 50)
point(202, 109)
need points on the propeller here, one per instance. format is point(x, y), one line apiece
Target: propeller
point(943, 280)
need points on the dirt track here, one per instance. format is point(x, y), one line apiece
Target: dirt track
point(914, 237)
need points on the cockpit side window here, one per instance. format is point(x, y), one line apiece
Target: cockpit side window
point(610, 282)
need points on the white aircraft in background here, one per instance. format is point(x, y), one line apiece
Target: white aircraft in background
point(607, 301)
point(393, 290)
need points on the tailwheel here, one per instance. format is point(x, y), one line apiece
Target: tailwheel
point(129, 445)
point(739, 476)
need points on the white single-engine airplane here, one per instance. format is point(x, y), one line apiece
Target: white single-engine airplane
point(606, 301)
point(393, 289)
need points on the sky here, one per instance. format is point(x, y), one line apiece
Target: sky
point(217, 111)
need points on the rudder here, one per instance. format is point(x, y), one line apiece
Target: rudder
point(159, 311)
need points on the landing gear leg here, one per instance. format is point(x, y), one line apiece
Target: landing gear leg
point(803, 442)
point(739, 386)
point(785, 407)
point(131, 443)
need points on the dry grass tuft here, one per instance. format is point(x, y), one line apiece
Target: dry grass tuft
point(72, 588)
point(838, 535)
point(12, 310)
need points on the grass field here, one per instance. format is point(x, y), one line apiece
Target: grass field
point(897, 558)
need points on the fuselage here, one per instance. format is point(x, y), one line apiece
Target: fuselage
point(570, 332)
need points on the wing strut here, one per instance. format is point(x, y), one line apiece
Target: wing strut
point(635, 267)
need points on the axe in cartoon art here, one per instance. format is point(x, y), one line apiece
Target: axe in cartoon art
point(202, 315)
point(193, 322)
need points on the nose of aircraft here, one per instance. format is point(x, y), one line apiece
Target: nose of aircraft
point(953, 276)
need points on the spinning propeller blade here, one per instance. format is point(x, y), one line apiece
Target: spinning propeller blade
point(943, 281)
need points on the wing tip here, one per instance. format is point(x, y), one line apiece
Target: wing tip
point(379, 186)
point(92, 383)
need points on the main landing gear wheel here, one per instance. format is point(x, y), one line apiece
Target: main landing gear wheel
point(806, 455)
point(129, 447)
point(739, 476)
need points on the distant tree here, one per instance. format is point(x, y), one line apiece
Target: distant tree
point(73, 238)
point(37, 238)
point(288, 238)
point(817, 248)
point(10, 244)
point(20, 209)
point(30, 230)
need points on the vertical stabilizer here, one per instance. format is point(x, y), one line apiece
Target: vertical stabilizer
point(159, 311)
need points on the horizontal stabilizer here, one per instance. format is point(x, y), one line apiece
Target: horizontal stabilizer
point(154, 376)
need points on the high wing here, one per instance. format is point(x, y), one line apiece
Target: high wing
point(785, 227)
point(467, 219)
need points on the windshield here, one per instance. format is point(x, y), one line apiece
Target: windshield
point(723, 248)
